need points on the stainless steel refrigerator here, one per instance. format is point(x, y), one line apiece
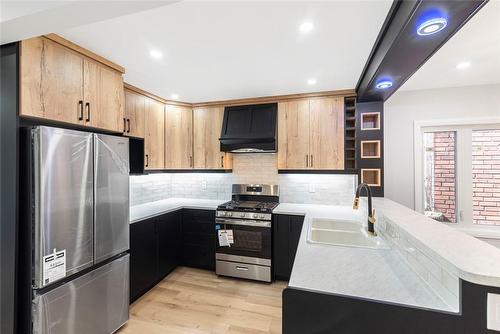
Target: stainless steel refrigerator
point(80, 227)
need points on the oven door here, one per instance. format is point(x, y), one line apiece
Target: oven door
point(252, 238)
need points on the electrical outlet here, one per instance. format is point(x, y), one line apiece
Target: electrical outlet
point(312, 188)
point(493, 311)
point(204, 185)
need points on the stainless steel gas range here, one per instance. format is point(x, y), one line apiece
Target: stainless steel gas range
point(244, 232)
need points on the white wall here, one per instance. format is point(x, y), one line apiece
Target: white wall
point(405, 107)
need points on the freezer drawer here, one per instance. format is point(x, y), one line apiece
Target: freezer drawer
point(94, 303)
point(111, 194)
point(63, 201)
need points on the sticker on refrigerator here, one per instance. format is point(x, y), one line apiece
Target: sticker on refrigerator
point(225, 238)
point(54, 266)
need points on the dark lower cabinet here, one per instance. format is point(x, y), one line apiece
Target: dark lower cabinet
point(143, 257)
point(314, 312)
point(286, 235)
point(169, 242)
point(198, 239)
point(158, 245)
point(154, 251)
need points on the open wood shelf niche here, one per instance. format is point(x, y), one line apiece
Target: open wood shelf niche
point(350, 132)
point(370, 149)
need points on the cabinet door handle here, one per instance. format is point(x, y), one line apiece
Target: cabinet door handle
point(87, 106)
point(147, 160)
point(307, 160)
point(190, 161)
point(222, 161)
point(312, 161)
point(80, 110)
point(124, 124)
point(128, 125)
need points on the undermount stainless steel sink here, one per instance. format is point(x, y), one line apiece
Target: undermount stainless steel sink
point(343, 233)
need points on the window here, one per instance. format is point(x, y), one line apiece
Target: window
point(440, 175)
point(486, 177)
point(457, 173)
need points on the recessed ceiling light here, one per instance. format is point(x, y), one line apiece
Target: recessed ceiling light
point(463, 65)
point(306, 27)
point(432, 26)
point(383, 84)
point(311, 81)
point(156, 54)
point(174, 96)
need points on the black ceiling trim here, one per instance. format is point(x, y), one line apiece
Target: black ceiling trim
point(383, 31)
point(399, 52)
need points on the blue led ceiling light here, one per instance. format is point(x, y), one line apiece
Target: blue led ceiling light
point(432, 26)
point(383, 84)
point(430, 21)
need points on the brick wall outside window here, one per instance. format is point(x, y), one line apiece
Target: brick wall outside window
point(444, 174)
point(486, 176)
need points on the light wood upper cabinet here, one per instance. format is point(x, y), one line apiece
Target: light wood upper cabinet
point(207, 124)
point(326, 133)
point(51, 81)
point(91, 92)
point(154, 138)
point(311, 134)
point(108, 110)
point(293, 134)
point(60, 84)
point(135, 108)
point(178, 137)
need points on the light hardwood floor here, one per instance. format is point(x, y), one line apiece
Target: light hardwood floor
point(197, 301)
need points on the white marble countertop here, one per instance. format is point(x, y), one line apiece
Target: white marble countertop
point(152, 209)
point(379, 275)
point(471, 259)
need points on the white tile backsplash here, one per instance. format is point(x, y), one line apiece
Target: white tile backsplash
point(255, 168)
point(149, 188)
point(317, 188)
point(247, 168)
point(201, 185)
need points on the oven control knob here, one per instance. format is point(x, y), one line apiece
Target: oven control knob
point(229, 214)
point(261, 216)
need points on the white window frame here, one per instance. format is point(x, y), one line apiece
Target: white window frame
point(463, 129)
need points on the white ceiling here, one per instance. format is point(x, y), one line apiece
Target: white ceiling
point(24, 19)
point(478, 42)
point(14, 9)
point(226, 50)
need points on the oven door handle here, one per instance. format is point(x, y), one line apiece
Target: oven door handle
point(242, 222)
